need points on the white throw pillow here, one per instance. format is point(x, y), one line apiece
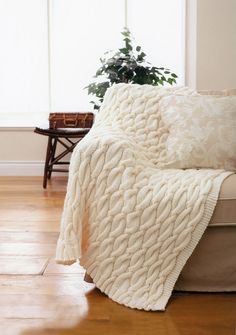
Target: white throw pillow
point(202, 131)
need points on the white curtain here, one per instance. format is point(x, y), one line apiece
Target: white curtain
point(80, 32)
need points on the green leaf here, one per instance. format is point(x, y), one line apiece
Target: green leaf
point(125, 66)
point(124, 51)
point(125, 33)
point(127, 40)
point(98, 73)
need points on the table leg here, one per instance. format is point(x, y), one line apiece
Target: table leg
point(47, 160)
point(52, 156)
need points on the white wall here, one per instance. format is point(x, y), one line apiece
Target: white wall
point(211, 44)
point(216, 44)
point(22, 152)
point(210, 64)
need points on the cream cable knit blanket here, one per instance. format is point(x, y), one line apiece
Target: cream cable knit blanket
point(133, 225)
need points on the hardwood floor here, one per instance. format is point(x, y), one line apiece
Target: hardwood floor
point(39, 297)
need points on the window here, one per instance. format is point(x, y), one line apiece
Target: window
point(23, 61)
point(81, 32)
point(50, 49)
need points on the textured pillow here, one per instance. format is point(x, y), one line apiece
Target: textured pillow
point(202, 131)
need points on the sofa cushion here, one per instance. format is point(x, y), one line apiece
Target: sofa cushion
point(225, 210)
point(211, 267)
point(202, 131)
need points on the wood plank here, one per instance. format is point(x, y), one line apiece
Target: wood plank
point(18, 326)
point(40, 306)
point(25, 203)
point(54, 269)
point(27, 249)
point(20, 265)
point(28, 237)
point(46, 285)
point(53, 299)
point(11, 181)
point(32, 226)
point(103, 316)
point(29, 215)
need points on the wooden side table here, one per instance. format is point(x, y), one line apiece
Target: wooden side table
point(68, 138)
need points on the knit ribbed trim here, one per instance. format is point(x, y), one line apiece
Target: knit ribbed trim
point(67, 252)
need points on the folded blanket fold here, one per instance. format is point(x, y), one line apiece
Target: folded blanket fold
point(132, 224)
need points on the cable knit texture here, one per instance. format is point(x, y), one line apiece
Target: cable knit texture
point(132, 224)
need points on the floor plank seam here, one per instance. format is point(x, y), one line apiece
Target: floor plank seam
point(45, 266)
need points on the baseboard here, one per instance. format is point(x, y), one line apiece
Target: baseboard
point(23, 168)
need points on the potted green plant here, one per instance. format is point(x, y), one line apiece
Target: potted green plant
point(127, 65)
